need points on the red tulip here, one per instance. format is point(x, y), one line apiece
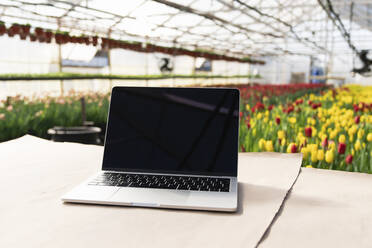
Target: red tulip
point(243, 149)
point(341, 148)
point(308, 132)
point(293, 148)
point(270, 107)
point(325, 143)
point(349, 159)
point(248, 125)
point(289, 109)
point(277, 120)
point(357, 119)
point(299, 101)
point(241, 114)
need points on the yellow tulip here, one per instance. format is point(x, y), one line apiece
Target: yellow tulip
point(320, 155)
point(281, 134)
point(329, 156)
point(247, 107)
point(369, 137)
point(259, 116)
point(314, 131)
point(309, 166)
point(283, 142)
point(302, 140)
point(305, 152)
point(342, 138)
point(314, 157)
point(261, 144)
point(269, 146)
point(357, 145)
point(333, 134)
point(292, 120)
point(360, 134)
point(332, 146)
point(254, 131)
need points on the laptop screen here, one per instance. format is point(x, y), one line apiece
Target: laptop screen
point(173, 130)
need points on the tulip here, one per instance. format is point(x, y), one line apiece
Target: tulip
point(269, 146)
point(314, 157)
point(309, 166)
point(329, 156)
point(242, 148)
point(357, 145)
point(292, 120)
point(240, 114)
point(305, 152)
point(308, 132)
point(342, 138)
point(369, 137)
point(325, 143)
point(261, 144)
point(360, 134)
point(341, 148)
point(357, 119)
point(331, 145)
point(281, 134)
point(277, 120)
point(292, 148)
point(349, 159)
point(320, 155)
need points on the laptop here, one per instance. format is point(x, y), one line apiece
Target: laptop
point(168, 148)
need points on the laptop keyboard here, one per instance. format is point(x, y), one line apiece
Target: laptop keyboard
point(162, 182)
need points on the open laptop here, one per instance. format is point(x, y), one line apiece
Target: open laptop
point(168, 148)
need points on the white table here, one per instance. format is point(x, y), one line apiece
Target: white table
point(324, 208)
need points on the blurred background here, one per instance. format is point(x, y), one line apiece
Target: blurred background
point(303, 68)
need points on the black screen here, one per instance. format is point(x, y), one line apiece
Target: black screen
point(173, 130)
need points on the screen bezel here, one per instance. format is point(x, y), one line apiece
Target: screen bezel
point(120, 88)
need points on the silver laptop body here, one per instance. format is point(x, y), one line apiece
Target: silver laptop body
point(168, 148)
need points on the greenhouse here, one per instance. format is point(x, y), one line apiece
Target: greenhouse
point(303, 73)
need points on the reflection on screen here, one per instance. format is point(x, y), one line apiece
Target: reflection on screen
point(173, 130)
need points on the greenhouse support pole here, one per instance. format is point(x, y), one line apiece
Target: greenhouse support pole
point(326, 53)
point(226, 72)
point(249, 72)
point(147, 64)
point(194, 66)
point(109, 60)
point(61, 82)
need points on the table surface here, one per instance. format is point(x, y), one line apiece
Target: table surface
point(323, 209)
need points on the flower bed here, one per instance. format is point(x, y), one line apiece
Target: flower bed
point(333, 130)
point(22, 115)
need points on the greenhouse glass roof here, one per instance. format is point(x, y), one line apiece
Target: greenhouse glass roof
point(234, 27)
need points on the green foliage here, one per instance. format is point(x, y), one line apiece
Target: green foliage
point(19, 116)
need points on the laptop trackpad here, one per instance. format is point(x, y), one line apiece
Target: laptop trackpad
point(137, 196)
